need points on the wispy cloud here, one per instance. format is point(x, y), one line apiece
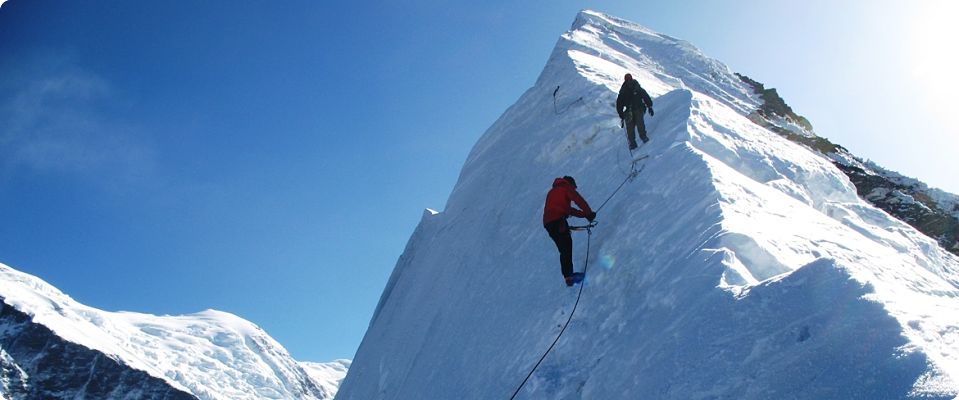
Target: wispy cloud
point(62, 123)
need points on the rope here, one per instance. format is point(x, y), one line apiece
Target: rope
point(628, 178)
point(632, 163)
point(565, 109)
point(589, 235)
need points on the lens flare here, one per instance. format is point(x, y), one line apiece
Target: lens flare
point(607, 261)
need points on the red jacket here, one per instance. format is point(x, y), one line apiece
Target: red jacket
point(557, 202)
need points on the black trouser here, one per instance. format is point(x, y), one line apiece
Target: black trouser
point(635, 122)
point(559, 231)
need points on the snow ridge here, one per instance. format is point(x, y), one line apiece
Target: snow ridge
point(211, 354)
point(737, 265)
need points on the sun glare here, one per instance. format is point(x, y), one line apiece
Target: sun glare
point(933, 33)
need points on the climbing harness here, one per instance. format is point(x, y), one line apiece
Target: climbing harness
point(565, 109)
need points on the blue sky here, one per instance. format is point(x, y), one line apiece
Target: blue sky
point(272, 160)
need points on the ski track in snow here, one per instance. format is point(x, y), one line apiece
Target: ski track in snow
point(737, 265)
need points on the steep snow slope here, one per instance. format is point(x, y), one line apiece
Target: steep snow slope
point(211, 355)
point(736, 265)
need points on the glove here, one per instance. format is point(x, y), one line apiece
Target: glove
point(650, 111)
point(591, 216)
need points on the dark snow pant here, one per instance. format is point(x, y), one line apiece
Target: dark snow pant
point(559, 231)
point(635, 122)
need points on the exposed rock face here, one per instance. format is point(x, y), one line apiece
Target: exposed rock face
point(909, 203)
point(930, 211)
point(774, 105)
point(37, 364)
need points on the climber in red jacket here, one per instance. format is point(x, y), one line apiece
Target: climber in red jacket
point(555, 213)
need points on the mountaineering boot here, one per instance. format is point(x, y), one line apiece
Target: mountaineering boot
point(569, 281)
point(578, 277)
point(631, 139)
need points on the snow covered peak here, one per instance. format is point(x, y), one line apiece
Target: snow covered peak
point(737, 264)
point(210, 354)
point(604, 48)
point(596, 18)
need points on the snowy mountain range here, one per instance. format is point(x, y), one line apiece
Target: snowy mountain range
point(740, 263)
point(749, 258)
point(52, 347)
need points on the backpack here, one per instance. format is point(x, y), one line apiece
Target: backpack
point(636, 96)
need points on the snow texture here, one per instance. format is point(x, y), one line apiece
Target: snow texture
point(737, 265)
point(327, 375)
point(211, 354)
point(38, 364)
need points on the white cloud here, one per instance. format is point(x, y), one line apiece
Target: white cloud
point(56, 124)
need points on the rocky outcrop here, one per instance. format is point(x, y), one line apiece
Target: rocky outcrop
point(909, 200)
point(909, 203)
point(773, 104)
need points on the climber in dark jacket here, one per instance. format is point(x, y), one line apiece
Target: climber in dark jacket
point(555, 213)
point(631, 105)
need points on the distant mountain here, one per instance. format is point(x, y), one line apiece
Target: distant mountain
point(327, 375)
point(52, 347)
point(740, 263)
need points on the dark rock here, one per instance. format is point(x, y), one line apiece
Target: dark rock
point(909, 203)
point(38, 364)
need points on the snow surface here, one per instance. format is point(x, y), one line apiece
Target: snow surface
point(737, 265)
point(211, 354)
point(327, 375)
